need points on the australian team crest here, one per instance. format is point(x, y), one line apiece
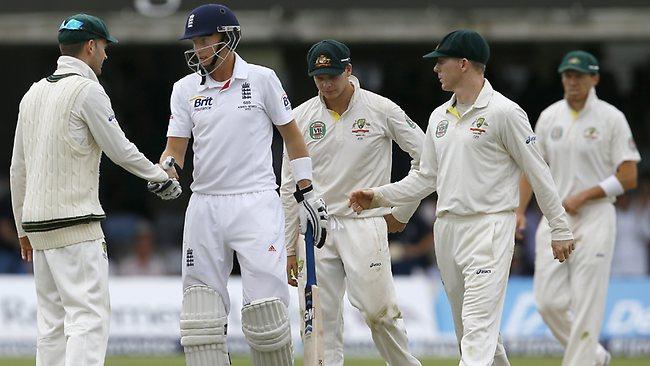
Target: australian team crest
point(441, 128)
point(591, 133)
point(323, 61)
point(478, 127)
point(360, 128)
point(317, 130)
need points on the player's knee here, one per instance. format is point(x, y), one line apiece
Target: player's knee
point(387, 314)
point(550, 305)
point(266, 327)
point(204, 320)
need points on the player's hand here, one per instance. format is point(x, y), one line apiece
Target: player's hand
point(521, 225)
point(360, 200)
point(26, 251)
point(314, 210)
point(562, 249)
point(169, 166)
point(573, 204)
point(394, 225)
point(292, 270)
point(167, 190)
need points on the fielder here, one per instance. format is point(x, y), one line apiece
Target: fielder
point(589, 147)
point(230, 107)
point(349, 132)
point(476, 146)
point(65, 121)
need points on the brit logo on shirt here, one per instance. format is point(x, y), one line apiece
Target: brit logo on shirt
point(286, 102)
point(201, 103)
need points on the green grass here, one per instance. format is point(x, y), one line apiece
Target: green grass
point(178, 361)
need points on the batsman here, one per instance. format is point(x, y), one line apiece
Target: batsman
point(349, 132)
point(230, 108)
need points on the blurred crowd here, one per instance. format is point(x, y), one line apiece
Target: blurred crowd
point(150, 246)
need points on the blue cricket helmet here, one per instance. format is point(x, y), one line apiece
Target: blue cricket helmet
point(209, 19)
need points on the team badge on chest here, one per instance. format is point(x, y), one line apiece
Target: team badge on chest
point(556, 133)
point(591, 133)
point(441, 128)
point(317, 130)
point(478, 127)
point(360, 128)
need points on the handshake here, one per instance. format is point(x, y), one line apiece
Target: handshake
point(171, 188)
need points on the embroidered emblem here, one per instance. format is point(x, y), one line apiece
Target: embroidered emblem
point(317, 130)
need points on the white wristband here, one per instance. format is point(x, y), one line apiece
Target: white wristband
point(301, 169)
point(612, 186)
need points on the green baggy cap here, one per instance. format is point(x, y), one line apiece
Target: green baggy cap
point(82, 27)
point(462, 43)
point(580, 61)
point(327, 57)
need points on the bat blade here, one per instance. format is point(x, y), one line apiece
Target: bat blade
point(312, 318)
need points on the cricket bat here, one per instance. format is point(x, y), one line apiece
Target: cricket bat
point(313, 322)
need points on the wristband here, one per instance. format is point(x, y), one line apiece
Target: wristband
point(612, 186)
point(301, 169)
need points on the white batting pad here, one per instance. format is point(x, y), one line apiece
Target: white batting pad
point(204, 325)
point(266, 327)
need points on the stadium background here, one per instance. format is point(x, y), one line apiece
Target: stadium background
point(527, 39)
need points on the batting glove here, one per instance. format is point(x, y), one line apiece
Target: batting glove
point(314, 210)
point(168, 190)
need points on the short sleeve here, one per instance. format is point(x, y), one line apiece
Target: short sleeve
point(180, 121)
point(276, 101)
point(623, 146)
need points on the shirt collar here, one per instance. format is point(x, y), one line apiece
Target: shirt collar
point(483, 99)
point(240, 71)
point(592, 99)
point(73, 65)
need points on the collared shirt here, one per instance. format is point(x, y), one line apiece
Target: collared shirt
point(584, 148)
point(91, 119)
point(232, 125)
point(474, 161)
point(351, 151)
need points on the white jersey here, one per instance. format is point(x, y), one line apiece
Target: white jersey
point(351, 151)
point(475, 161)
point(584, 148)
point(232, 125)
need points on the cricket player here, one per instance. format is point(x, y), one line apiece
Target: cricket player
point(476, 146)
point(230, 107)
point(65, 122)
point(350, 132)
point(589, 147)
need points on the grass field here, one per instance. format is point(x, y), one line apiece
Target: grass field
point(178, 361)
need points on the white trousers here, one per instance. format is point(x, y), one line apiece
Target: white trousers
point(250, 224)
point(356, 258)
point(73, 304)
point(474, 255)
point(571, 296)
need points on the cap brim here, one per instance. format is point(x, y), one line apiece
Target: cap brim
point(326, 70)
point(562, 69)
point(435, 54)
point(112, 39)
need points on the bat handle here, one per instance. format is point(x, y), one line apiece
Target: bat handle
point(168, 163)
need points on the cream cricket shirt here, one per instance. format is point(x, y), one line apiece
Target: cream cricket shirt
point(351, 151)
point(584, 148)
point(474, 161)
point(232, 125)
